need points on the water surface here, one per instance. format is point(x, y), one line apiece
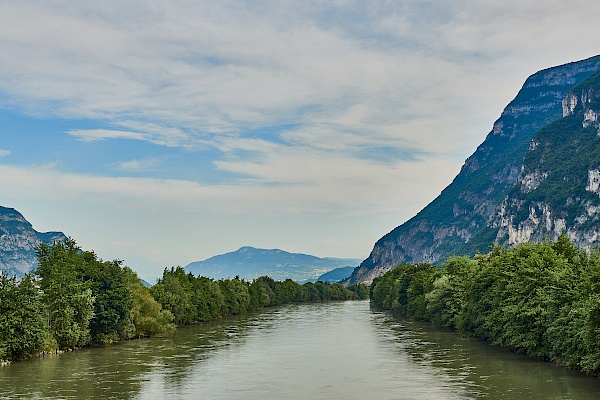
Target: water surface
point(339, 350)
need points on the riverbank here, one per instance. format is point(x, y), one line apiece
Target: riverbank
point(329, 350)
point(87, 301)
point(541, 299)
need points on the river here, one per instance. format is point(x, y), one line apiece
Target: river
point(338, 350)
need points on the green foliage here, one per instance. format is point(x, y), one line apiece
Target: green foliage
point(90, 300)
point(148, 317)
point(69, 298)
point(404, 289)
point(192, 299)
point(79, 299)
point(262, 292)
point(237, 297)
point(86, 300)
point(174, 292)
point(113, 299)
point(361, 290)
point(23, 330)
point(540, 299)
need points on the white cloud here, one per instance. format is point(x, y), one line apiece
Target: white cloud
point(92, 135)
point(153, 223)
point(138, 165)
point(345, 110)
point(4, 153)
point(215, 68)
point(218, 67)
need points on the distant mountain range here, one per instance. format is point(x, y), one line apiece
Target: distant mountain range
point(536, 175)
point(249, 263)
point(18, 241)
point(336, 275)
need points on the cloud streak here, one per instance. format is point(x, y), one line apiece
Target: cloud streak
point(219, 67)
point(92, 135)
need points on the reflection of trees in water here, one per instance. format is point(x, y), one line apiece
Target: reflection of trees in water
point(170, 366)
point(124, 369)
point(486, 371)
point(176, 357)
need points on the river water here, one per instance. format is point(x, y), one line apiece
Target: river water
point(338, 350)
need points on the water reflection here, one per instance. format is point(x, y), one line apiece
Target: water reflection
point(485, 372)
point(317, 351)
point(122, 370)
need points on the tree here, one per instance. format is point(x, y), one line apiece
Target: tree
point(146, 313)
point(69, 299)
point(174, 292)
point(23, 330)
point(113, 298)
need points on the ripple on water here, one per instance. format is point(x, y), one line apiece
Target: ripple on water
point(313, 351)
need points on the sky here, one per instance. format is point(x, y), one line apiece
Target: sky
point(162, 132)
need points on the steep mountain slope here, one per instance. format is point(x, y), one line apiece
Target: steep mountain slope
point(559, 187)
point(18, 241)
point(249, 263)
point(465, 217)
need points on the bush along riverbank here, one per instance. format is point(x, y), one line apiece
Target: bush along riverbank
point(539, 299)
point(74, 299)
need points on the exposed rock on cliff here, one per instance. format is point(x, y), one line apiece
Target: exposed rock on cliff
point(18, 241)
point(568, 157)
point(488, 201)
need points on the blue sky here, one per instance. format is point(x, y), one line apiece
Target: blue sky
point(165, 132)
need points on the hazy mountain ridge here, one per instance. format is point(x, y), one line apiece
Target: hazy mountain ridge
point(18, 241)
point(336, 275)
point(467, 216)
point(249, 263)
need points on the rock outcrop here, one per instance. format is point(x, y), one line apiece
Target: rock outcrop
point(567, 160)
point(488, 201)
point(18, 241)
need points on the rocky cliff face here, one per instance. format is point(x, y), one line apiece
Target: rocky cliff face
point(565, 160)
point(477, 209)
point(18, 241)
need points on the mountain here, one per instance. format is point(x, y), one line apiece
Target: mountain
point(559, 186)
point(519, 184)
point(336, 275)
point(18, 241)
point(250, 263)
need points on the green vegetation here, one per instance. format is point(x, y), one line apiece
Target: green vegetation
point(23, 327)
point(75, 300)
point(540, 299)
point(192, 299)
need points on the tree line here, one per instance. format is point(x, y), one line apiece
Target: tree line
point(539, 299)
point(190, 298)
point(74, 299)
